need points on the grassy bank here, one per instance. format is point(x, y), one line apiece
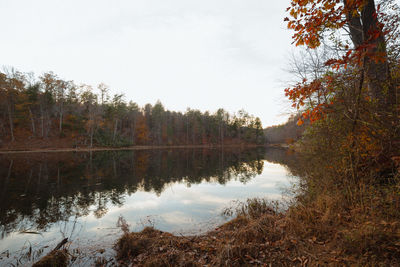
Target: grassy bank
point(318, 234)
point(323, 234)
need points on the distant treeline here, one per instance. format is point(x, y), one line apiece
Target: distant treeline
point(285, 133)
point(50, 108)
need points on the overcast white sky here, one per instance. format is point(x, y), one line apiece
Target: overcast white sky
point(202, 54)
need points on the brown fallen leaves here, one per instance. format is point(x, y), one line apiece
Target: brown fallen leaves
point(58, 258)
point(242, 241)
point(264, 239)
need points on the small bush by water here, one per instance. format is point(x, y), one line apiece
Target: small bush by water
point(57, 258)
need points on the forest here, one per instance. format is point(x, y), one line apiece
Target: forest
point(286, 133)
point(52, 112)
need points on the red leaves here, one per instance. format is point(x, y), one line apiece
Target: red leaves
point(311, 17)
point(308, 94)
point(310, 20)
point(300, 122)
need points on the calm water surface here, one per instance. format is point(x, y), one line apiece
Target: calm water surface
point(48, 196)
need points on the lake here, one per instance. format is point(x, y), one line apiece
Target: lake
point(46, 197)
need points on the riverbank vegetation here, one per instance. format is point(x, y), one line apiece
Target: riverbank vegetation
point(49, 112)
point(347, 207)
point(286, 133)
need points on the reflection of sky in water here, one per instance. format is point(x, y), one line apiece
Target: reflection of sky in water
point(178, 209)
point(182, 208)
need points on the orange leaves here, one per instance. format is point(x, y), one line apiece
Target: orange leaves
point(368, 146)
point(313, 96)
point(142, 131)
point(351, 57)
point(299, 93)
point(300, 122)
point(310, 18)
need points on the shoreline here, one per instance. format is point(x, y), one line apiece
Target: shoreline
point(145, 147)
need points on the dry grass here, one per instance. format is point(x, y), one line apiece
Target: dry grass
point(324, 231)
point(151, 247)
point(57, 258)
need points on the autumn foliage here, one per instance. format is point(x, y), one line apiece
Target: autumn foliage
point(348, 88)
point(50, 112)
point(372, 30)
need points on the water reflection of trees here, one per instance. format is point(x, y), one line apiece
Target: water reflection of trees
point(41, 189)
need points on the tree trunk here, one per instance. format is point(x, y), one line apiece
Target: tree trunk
point(187, 131)
point(48, 124)
point(91, 136)
point(377, 70)
point(133, 128)
point(11, 122)
point(32, 122)
point(221, 133)
point(61, 119)
point(354, 24)
point(363, 31)
point(42, 120)
point(115, 129)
